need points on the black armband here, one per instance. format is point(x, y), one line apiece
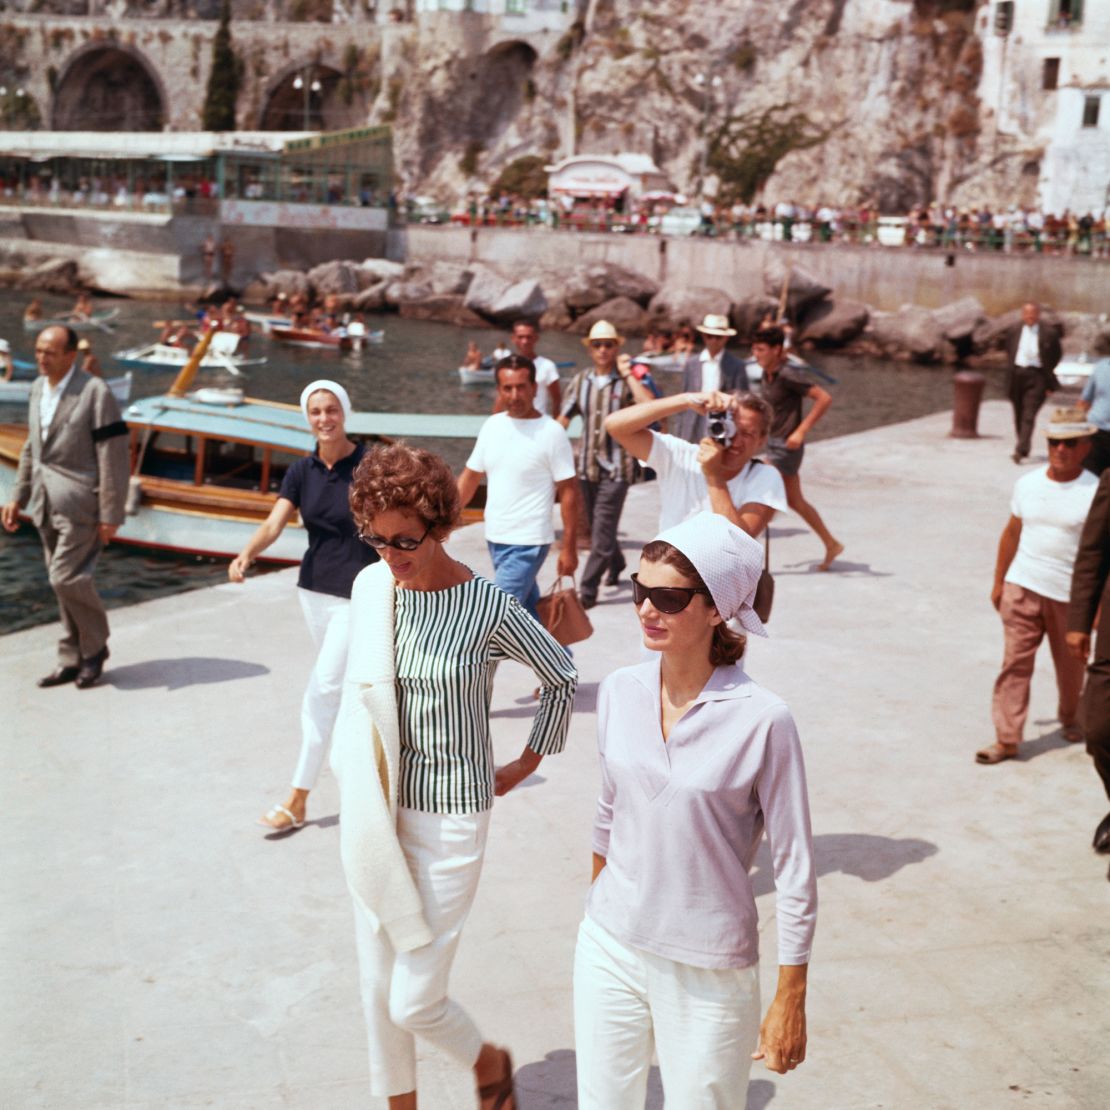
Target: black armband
point(109, 431)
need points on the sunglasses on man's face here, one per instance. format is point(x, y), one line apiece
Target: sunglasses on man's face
point(667, 599)
point(401, 543)
point(602, 343)
point(1064, 442)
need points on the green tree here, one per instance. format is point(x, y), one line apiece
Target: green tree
point(523, 177)
point(223, 79)
point(744, 150)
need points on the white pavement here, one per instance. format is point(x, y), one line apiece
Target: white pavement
point(157, 950)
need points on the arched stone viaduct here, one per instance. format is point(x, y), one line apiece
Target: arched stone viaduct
point(104, 74)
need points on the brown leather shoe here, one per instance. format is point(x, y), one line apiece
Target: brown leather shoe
point(90, 669)
point(59, 677)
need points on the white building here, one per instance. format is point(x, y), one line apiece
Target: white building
point(521, 16)
point(1046, 77)
point(604, 176)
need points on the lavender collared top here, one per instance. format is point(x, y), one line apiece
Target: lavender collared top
point(679, 821)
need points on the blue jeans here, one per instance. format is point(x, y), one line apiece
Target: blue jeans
point(515, 568)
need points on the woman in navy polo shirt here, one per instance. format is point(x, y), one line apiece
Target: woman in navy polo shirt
point(318, 486)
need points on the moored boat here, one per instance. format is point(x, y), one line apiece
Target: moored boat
point(162, 356)
point(312, 338)
point(1073, 373)
point(100, 320)
point(18, 391)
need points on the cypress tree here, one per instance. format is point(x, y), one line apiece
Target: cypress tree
point(223, 79)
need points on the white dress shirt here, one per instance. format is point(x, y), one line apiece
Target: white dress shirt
point(51, 395)
point(710, 371)
point(1029, 350)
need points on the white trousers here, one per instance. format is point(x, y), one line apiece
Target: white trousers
point(405, 993)
point(328, 619)
point(703, 1025)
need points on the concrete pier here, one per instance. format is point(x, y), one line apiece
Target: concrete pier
point(159, 950)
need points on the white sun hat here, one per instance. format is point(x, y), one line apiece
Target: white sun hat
point(716, 325)
point(332, 387)
point(729, 562)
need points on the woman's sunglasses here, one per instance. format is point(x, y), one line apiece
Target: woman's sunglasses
point(402, 543)
point(667, 599)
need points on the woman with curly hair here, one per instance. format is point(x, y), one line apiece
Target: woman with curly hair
point(414, 761)
point(696, 762)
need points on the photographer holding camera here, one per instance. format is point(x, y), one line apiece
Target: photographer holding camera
point(720, 474)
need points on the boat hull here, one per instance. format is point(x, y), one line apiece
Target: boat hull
point(19, 391)
point(313, 340)
point(162, 357)
point(99, 321)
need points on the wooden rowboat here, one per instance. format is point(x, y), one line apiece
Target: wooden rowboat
point(312, 338)
point(18, 392)
point(100, 320)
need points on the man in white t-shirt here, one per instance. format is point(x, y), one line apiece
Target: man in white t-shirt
point(549, 396)
point(526, 458)
point(719, 477)
point(1032, 582)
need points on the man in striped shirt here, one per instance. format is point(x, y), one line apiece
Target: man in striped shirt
point(605, 469)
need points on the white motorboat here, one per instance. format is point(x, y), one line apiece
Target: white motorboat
point(18, 392)
point(1073, 373)
point(161, 356)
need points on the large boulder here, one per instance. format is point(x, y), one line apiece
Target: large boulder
point(802, 288)
point(446, 308)
point(558, 316)
point(590, 286)
point(959, 319)
point(833, 323)
point(372, 298)
point(53, 275)
point(622, 312)
point(523, 300)
point(397, 293)
point(912, 334)
point(747, 314)
point(334, 277)
point(485, 290)
point(289, 282)
point(449, 278)
point(371, 271)
point(676, 303)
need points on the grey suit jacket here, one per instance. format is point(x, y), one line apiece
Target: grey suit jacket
point(691, 425)
point(79, 469)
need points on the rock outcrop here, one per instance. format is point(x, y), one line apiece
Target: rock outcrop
point(676, 303)
point(834, 323)
point(622, 312)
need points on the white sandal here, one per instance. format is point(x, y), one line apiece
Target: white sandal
point(275, 811)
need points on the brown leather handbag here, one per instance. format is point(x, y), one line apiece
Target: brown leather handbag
point(561, 613)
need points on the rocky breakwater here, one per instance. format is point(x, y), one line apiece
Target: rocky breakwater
point(480, 296)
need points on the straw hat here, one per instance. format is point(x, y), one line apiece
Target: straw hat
point(603, 330)
point(715, 325)
point(1069, 423)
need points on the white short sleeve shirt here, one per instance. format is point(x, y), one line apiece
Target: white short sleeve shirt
point(683, 491)
point(522, 461)
point(546, 373)
point(1052, 516)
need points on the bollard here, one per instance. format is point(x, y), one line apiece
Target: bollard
point(967, 394)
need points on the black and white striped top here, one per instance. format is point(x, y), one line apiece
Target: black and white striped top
point(447, 644)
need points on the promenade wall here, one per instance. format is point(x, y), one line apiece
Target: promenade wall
point(884, 277)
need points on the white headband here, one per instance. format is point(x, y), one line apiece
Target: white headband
point(332, 387)
point(728, 560)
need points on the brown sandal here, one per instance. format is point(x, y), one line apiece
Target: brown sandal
point(501, 1090)
point(996, 753)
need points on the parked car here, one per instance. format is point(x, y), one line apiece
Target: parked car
point(680, 221)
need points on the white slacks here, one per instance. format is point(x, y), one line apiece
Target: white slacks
point(405, 993)
point(328, 619)
point(703, 1025)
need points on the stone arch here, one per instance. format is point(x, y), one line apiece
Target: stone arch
point(287, 108)
point(108, 86)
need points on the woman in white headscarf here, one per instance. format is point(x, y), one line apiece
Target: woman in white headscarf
point(696, 761)
point(317, 486)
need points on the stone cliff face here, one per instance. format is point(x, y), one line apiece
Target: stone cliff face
point(887, 88)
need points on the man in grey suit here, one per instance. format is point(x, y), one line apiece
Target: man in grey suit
point(72, 479)
point(1033, 351)
point(713, 369)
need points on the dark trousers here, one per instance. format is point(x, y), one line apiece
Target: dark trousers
point(1099, 458)
point(604, 501)
point(1096, 717)
point(71, 553)
point(1028, 387)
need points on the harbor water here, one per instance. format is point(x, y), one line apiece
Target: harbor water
point(413, 370)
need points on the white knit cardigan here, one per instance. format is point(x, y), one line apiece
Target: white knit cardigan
point(365, 753)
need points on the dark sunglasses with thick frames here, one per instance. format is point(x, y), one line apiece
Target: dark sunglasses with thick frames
point(667, 599)
point(402, 543)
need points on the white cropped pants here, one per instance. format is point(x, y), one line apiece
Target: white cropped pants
point(404, 994)
point(328, 620)
point(703, 1025)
